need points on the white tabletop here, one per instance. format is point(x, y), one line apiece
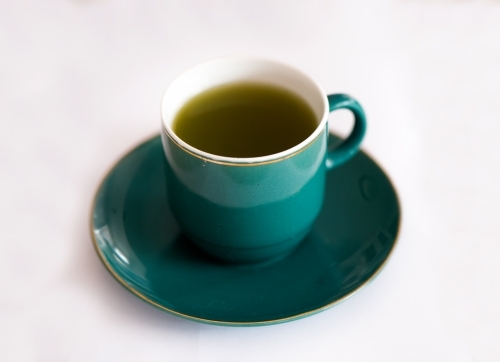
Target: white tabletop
point(80, 84)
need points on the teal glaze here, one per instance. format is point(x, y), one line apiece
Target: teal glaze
point(246, 213)
point(138, 239)
point(343, 152)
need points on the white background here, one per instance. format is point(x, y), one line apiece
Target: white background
point(80, 84)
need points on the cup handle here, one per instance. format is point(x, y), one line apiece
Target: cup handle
point(348, 148)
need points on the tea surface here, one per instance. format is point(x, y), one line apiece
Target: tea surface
point(245, 120)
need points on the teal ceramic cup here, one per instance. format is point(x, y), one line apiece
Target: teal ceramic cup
point(250, 210)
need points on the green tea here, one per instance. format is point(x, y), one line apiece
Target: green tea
point(245, 120)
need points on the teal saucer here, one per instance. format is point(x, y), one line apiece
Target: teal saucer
point(139, 242)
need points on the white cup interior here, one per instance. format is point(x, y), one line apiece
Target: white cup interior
point(236, 69)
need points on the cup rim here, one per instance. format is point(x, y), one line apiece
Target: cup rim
point(210, 157)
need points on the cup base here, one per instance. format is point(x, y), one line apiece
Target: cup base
point(250, 257)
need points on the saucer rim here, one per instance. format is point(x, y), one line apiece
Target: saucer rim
point(129, 288)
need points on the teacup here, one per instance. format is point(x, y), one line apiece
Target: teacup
point(248, 210)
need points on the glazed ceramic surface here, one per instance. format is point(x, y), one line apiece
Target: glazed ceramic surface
point(247, 213)
point(248, 210)
point(140, 243)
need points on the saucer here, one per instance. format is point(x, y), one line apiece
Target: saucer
point(139, 242)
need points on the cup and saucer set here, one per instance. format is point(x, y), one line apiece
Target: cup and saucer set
point(247, 241)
